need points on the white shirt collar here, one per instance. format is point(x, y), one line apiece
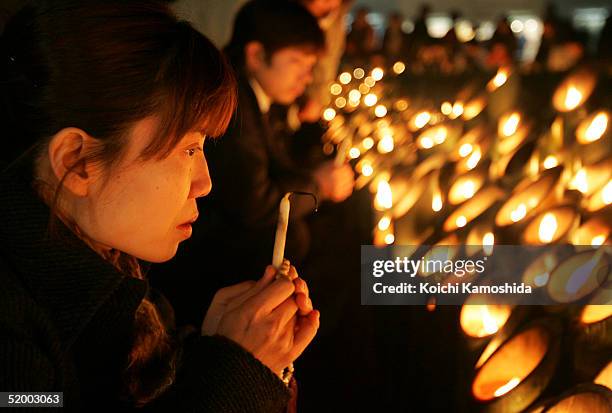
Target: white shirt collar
point(263, 100)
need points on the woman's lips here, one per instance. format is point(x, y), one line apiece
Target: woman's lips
point(185, 229)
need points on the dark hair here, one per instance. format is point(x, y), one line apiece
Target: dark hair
point(276, 24)
point(101, 66)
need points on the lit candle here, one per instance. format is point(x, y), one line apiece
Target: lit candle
point(593, 128)
point(480, 320)
point(499, 79)
point(384, 196)
point(574, 90)
point(551, 226)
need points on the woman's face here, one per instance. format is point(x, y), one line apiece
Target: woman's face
point(145, 208)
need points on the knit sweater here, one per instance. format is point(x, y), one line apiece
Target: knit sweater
point(66, 323)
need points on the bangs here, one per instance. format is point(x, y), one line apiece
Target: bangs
point(197, 93)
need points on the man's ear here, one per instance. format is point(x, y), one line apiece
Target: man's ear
point(67, 150)
point(255, 55)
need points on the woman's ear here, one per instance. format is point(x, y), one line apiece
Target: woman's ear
point(67, 151)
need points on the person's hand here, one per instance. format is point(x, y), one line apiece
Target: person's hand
point(335, 182)
point(272, 319)
point(311, 111)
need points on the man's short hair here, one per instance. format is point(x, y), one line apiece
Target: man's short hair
point(276, 24)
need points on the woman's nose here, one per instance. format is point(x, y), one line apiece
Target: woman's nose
point(201, 184)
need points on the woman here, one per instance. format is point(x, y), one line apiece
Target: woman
point(116, 99)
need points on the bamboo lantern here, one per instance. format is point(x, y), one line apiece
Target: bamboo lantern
point(551, 226)
point(584, 398)
point(473, 208)
point(579, 276)
point(594, 232)
point(519, 370)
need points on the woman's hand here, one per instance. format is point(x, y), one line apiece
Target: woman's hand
point(273, 319)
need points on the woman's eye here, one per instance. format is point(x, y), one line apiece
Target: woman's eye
point(192, 151)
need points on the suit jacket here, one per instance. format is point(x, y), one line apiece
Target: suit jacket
point(66, 323)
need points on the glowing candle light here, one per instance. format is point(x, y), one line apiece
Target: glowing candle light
point(446, 108)
point(354, 153)
point(426, 142)
point(421, 119)
point(465, 150)
point(367, 143)
point(335, 89)
point(592, 129)
point(483, 320)
point(488, 240)
point(548, 227)
point(370, 99)
point(377, 73)
point(354, 95)
point(384, 196)
point(436, 201)
point(384, 223)
point(550, 162)
point(598, 240)
point(358, 73)
point(380, 111)
point(457, 110)
point(573, 98)
point(512, 383)
point(389, 239)
point(364, 89)
point(329, 114)
point(580, 181)
point(606, 194)
point(519, 213)
point(369, 81)
point(498, 80)
point(474, 158)
point(386, 144)
point(367, 170)
point(461, 221)
point(340, 102)
point(509, 124)
point(399, 67)
point(345, 78)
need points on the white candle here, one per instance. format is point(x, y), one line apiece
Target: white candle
point(281, 232)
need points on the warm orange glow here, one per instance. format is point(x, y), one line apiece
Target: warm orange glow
point(605, 376)
point(593, 128)
point(358, 73)
point(354, 95)
point(483, 320)
point(389, 239)
point(384, 196)
point(446, 108)
point(384, 223)
point(377, 73)
point(473, 108)
point(595, 313)
point(421, 119)
point(367, 170)
point(465, 150)
point(598, 240)
point(367, 143)
point(518, 213)
point(386, 144)
point(457, 110)
point(550, 162)
point(335, 89)
point(512, 383)
point(436, 201)
point(509, 124)
point(345, 78)
point(573, 98)
point(380, 111)
point(488, 240)
point(606, 193)
point(580, 181)
point(548, 227)
point(370, 99)
point(399, 67)
point(354, 153)
point(329, 114)
point(461, 221)
point(474, 158)
point(498, 80)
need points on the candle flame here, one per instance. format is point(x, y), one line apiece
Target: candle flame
point(384, 223)
point(468, 189)
point(580, 181)
point(596, 128)
point(340, 102)
point(389, 239)
point(461, 221)
point(436, 201)
point(440, 135)
point(498, 80)
point(386, 144)
point(474, 158)
point(550, 162)
point(488, 240)
point(354, 95)
point(446, 108)
point(606, 193)
point(335, 89)
point(354, 153)
point(367, 143)
point(367, 170)
point(377, 73)
point(345, 78)
point(548, 227)
point(399, 67)
point(510, 125)
point(370, 99)
point(426, 142)
point(465, 150)
point(598, 240)
point(329, 114)
point(421, 119)
point(512, 383)
point(573, 98)
point(384, 196)
point(519, 213)
point(457, 110)
point(483, 320)
point(380, 111)
point(358, 73)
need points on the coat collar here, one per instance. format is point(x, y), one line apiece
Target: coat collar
point(63, 275)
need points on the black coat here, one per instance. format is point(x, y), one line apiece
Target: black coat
point(66, 322)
